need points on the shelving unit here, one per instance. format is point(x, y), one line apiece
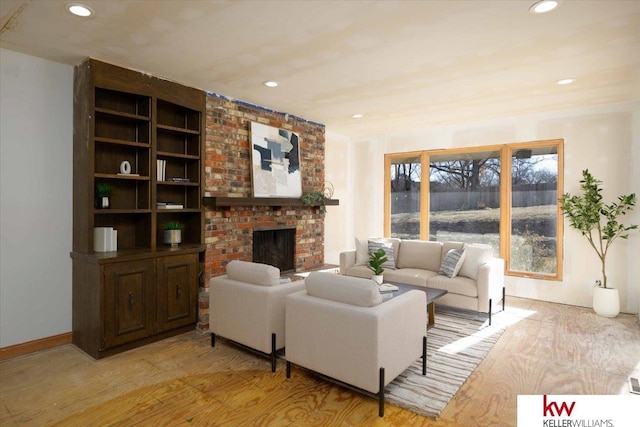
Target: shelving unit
point(145, 289)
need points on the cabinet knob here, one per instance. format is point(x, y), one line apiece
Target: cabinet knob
point(178, 291)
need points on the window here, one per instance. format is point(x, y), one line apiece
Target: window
point(505, 196)
point(405, 184)
point(534, 211)
point(464, 197)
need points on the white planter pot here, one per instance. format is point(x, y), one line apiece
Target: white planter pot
point(377, 279)
point(606, 301)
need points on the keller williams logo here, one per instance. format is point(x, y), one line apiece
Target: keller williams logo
point(548, 408)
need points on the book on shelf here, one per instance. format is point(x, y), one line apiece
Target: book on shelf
point(388, 287)
point(169, 205)
point(179, 179)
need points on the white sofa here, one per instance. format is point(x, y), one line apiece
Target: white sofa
point(478, 285)
point(341, 329)
point(247, 305)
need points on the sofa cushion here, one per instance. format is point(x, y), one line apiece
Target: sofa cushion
point(455, 285)
point(252, 272)
point(420, 254)
point(452, 262)
point(410, 276)
point(375, 244)
point(475, 255)
point(349, 290)
point(359, 271)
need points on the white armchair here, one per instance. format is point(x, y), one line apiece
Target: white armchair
point(247, 306)
point(340, 328)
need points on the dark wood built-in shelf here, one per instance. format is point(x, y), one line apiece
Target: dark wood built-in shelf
point(145, 290)
point(121, 114)
point(227, 202)
point(178, 130)
point(121, 176)
point(177, 155)
point(122, 142)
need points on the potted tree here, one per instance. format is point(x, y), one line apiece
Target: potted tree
point(599, 223)
point(376, 259)
point(103, 193)
point(173, 233)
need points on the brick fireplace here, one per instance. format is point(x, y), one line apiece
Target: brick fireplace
point(275, 246)
point(229, 230)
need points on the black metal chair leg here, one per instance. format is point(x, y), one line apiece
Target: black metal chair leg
point(273, 352)
point(424, 355)
point(489, 312)
point(213, 340)
point(381, 394)
point(504, 298)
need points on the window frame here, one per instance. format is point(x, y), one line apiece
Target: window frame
point(506, 151)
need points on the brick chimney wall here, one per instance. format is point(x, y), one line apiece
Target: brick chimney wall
point(229, 231)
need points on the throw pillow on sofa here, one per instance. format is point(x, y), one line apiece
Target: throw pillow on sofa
point(376, 244)
point(452, 262)
point(476, 255)
point(362, 251)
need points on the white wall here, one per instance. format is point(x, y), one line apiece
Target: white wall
point(603, 139)
point(36, 152)
point(634, 243)
point(338, 151)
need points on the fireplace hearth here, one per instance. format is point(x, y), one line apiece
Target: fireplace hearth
point(275, 246)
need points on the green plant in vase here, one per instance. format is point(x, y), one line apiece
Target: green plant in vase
point(315, 198)
point(103, 195)
point(376, 259)
point(173, 233)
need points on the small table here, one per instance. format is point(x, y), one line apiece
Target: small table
point(432, 295)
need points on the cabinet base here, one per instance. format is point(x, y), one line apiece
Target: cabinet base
point(139, 343)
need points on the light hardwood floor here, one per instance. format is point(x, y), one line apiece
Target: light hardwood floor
point(549, 349)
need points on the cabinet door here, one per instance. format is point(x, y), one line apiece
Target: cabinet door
point(129, 301)
point(177, 291)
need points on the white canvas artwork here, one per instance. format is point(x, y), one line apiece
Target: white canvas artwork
point(275, 162)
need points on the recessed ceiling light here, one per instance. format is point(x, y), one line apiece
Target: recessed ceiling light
point(565, 81)
point(80, 10)
point(357, 116)
point(543, 6)
point(271, 83)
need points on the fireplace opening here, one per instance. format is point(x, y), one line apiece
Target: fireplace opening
point(275, 246)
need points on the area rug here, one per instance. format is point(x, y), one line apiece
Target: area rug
point(455, 347)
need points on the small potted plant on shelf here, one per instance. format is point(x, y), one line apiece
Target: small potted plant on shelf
point(318, 198)
point(599, 223)
point(173, 233)
point(103, 194)
point(376, 259)
point(315, 198)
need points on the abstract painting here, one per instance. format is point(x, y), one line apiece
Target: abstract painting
point(275, 162)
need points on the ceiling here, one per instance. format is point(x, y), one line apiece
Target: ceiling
point(402, 64)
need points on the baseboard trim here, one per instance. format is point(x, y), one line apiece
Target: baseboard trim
point(36, 345)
